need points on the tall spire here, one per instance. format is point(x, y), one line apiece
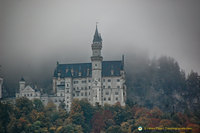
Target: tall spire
point(97, 36)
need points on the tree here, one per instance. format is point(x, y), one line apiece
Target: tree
point(36, 127)
point(36, 116)
point(77, 119)
point(98, 122)
point(38, 105)
point(88, 112)
point(5, 111)
point(19, 125)
point(75, 107)
point(71, 128)
point(23, 106)
point(51, 114)
point(114, 129)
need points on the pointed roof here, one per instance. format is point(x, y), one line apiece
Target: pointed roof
point(28, 88)
point(22, 79)
point(97, 36)
point(122, 66)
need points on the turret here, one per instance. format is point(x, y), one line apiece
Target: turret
point(96, 59)
point(96, 47)
point(21, 84)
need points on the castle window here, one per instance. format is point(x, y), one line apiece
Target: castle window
point(116, 93)
point(109, 99)
point(95, 64)
point(109, 80)
point(81, 88)
point(62, 83)
point(89, 93)
point(75, 82)
point(107, 93)
point(108, 86)
point(104, 99)
point(81, 94)
point(83, 81)
point(67, 97)
point(77, 88)
point(85, 88)
point(104, 86)
point(103, 80)
point(28, 95)
point(55, 100)
point(89, 80)
point(116, 98)
point(31, 94)
point(89, 87)
point(118, 87)
point(77, 94)
point(67, 106)
point(73, 95)
point(118, 80)
point(67, 85)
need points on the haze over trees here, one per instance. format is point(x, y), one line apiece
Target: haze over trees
point(162, 83)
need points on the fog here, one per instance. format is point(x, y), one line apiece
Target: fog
point(34, 34)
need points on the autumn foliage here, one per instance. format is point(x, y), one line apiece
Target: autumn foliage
point(30, 116)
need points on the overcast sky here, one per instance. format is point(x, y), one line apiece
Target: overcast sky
point(36, 33)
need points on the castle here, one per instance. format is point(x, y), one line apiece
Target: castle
point(99, 82)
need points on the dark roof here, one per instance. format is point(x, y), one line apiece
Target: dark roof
point(22, 79)
point(97, 36)
point(85, 69)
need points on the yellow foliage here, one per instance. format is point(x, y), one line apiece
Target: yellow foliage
point(58, 129)
point(53, 128)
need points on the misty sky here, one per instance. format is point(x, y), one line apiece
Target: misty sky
point(34, 34)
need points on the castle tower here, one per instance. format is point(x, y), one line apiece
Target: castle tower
point(21, 84)
point(96, 60)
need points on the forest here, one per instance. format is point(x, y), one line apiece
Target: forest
point(159, 94)
point(32, 116)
